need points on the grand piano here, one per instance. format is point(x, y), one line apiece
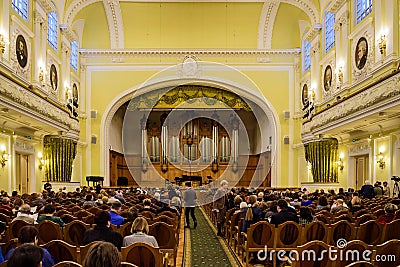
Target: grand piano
point(187, 178)
point(94, 179)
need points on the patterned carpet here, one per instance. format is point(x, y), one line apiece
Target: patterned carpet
point(203, 247)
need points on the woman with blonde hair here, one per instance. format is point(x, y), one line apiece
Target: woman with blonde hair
point(140, 230)
point(252, 213)
point(102, 254)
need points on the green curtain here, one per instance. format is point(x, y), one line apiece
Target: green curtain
point(323, 156)
point(58, 153)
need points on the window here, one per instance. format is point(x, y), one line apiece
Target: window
point(306, 55)
point(21, 7)
point(74, 55)
point(329, 31)
point(52, 36)
point(364, 7)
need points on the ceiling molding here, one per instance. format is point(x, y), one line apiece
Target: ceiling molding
point(183, 52)
point(74, 8)
point(266, 26)
point(115, 24)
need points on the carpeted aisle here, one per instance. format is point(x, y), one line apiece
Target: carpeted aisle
point(203, 247)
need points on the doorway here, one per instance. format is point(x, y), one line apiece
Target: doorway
point(361, 171)
point(22, 172)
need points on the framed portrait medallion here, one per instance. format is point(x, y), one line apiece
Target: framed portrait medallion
point(361, 53)
point(53, 77)
point(21, 51)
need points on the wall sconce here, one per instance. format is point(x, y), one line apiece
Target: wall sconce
point(41, 161)
point(340, 75)
point(340, 162)
point(382, 43)
point(41, 75)
point(3, 156)
point(380, 161)
point(2, 44)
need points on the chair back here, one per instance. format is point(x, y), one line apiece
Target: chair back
point(67, 264)
point(315, 231)
point(341, 230)
point(142, 254)
point(391, 250)
point(361, 264)
point(370, 232)
point(61, 251)
point(48, 231)
point(354, 250)
point(288, 235)
point(67, 218)
point(164, 234)
point(318, 257)
point(260, 234)
point(391, 231)
point(14, 227)
point(364, 218)
point(83, 250)
point(125, 229)
point(74, 232)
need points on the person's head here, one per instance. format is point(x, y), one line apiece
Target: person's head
point(140, 225)
point(89, 197)
point(14, 193)
point(328, 74)
point(390, 208)
point(21, 45)
point(237, 200)
point(305, 213)
point(356, 200)
point(116, 206)
point(281, 205)
point(25, 208)
point(188, 184)
point(367, 182)
point(18, 202)
point(26, 255)
point(49, 209)
point(322, 201)
point(103, 254)
point(224, 183)
point(339, 202)
point(362, 49)
point(243, 205)
point(102, 218)
point(147, 202)
point(385, 183)
point(5, 201)
point(28, 234)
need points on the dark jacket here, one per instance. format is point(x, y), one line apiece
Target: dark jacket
point(284, 216)
point(103, 233)
point(257, 215)
point(367, 191)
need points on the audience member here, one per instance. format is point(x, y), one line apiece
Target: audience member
point(338, 205)
point(252, 213)
point(30, 235)
point(102, 231)
point(89, 200)
point(26, 255)
point(49, 211)
point(386, 189)
point(283, 214)
point(102, 254)
point(305, 216)
point(25, 215)
point(189, 198)
point(6, 204)
point(389, 216)
point(116, 219)
point(305, 201)
point(322, 203)
point(367, 190)
point(140, 230)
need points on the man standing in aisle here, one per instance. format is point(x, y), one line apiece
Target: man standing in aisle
point(219, 205)
point(189, 198)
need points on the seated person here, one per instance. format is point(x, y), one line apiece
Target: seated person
point(252, 213)
point(390, 214)
point(147, 206)
point(102, 254)
point(25, 215)
point(284, 214)
point(26, 255)
point(305, 201)
point(30, 235)
point(102, 231)
point(49, 211)
point(89, 200)
point(140, 230)
point(116, 219)
point(338, 205)
point(355, 204)
point(322, 203)
point(305, 216)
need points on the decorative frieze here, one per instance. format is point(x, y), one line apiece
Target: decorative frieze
point(361, 148)
point(47, 5)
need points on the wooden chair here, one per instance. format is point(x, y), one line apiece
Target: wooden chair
point(143, 255)
point(166, 219)
point(49, 231)
point(355, 250)
point(127, 264)
point(341, 229)
point(359, 213)
point(391, 231)
point(82, 213)
point(83, 250)
point(74, 209)
point(67, 264)
point(61, 251)
point(147, 214)
point(315, 231)
point(62, 212)
point(125, 229)
point(323, 218)
point(13, 229)
point(379, 212)
point(258, 236)
point(12, 243)
point(67, 218)
point(93, 210)
point(74, 231)
point(388, 253)
point(6, 212)
point(288, 235)
point(364, 218)
point(370, 232)
point(235, 219)
point(5, 218)
point(88, 219)
point(344, 217)
point(166, 238)
point(310, 259)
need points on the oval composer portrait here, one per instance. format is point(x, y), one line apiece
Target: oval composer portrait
point(361, 53)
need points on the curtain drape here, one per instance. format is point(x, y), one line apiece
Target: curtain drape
point(59, 154)
point(323, 156)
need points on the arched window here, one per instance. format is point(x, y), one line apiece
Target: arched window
point(52, 33)
point(306, 55)
point(329, 31)
point(74, 55)
point(364, 7)
point(21, 7)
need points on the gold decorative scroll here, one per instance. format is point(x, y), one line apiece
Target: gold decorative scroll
point(58, 153)
point(323, 156)
point(185, 96)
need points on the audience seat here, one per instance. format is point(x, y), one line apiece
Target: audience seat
point(143, 255)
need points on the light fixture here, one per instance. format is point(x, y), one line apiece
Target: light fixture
point(41, 161)
point(382, 43)
point(340, 162)
point(41, 75)
point(3, 156)
point(380, 161)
